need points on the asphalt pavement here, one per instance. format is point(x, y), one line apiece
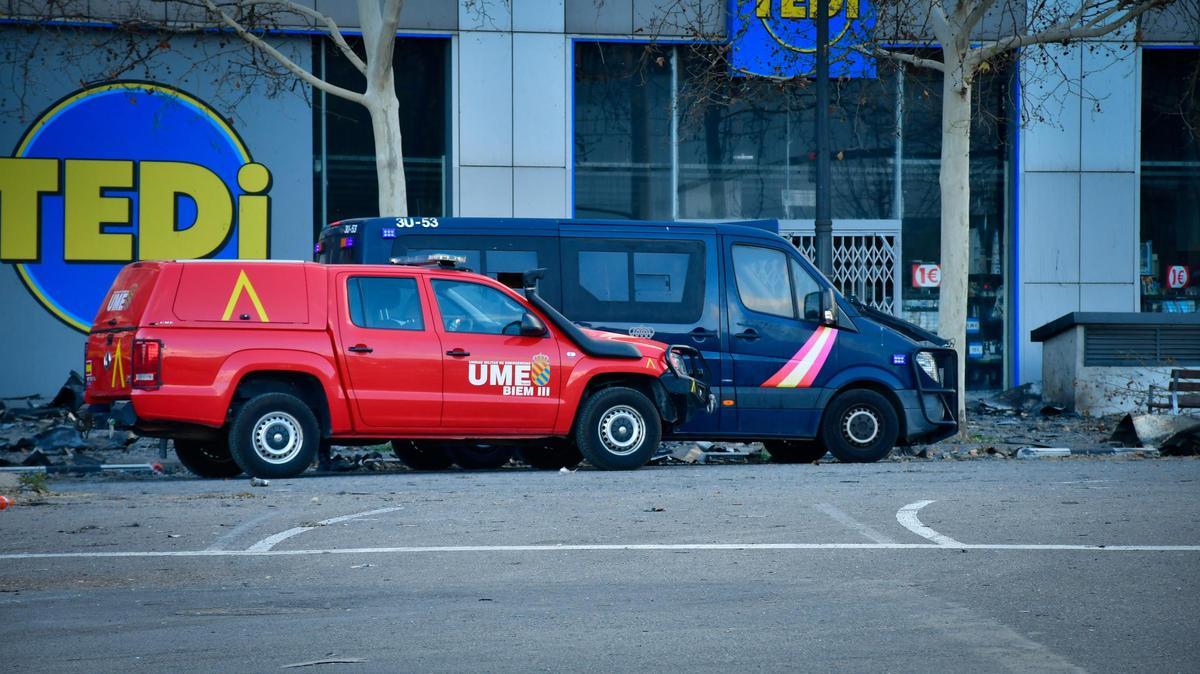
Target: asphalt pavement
point(987, 565)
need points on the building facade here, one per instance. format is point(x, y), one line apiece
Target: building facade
point(1085, 169)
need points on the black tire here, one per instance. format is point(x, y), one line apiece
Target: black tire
point(478, 455)
point(621, 415)
point(860, 426)
point(274, 435)
point(207, 458)
point(420, 455)
point(552, 455)
point(794, 451)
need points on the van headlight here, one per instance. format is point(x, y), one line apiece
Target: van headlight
point(927, 363)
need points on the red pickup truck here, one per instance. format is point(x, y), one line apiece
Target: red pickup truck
point(255, 366)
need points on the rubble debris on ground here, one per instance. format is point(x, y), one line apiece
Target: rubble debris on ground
point(1172, 434)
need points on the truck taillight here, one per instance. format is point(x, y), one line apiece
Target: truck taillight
point(147, 363)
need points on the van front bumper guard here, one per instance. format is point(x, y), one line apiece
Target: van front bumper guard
point(947, 392)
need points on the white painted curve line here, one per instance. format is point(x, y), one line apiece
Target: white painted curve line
point(907, 517)
point(629, 547)
point(269, 542)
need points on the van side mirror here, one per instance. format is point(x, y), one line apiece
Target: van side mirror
point(829, 307)
point(532, 326)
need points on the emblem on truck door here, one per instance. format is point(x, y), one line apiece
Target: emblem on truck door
point(514, 378)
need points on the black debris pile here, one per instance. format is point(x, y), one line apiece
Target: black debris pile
point(56, 434)
point(342, 460)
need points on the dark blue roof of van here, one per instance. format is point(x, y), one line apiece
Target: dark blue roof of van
point(549, 226)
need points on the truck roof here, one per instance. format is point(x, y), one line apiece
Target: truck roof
point(552, 226)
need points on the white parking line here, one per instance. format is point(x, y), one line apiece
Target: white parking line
point(238, 530)
point(907, 517)
point(632, 547)
point(837, 514)
point(269, 542)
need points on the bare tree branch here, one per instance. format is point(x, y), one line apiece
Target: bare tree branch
point(976, 14)
point(331, 28)
point(274, 53)
point(1067, 32)
point(904, 57)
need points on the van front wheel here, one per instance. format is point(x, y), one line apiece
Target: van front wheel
point(860, 426)
point(618, 428)
point(274, 435)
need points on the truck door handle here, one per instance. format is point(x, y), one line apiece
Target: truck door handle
point(749, 334)
point(360, 348)
point(702, 333)
point(458, 353)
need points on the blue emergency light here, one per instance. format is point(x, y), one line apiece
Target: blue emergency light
point(347, 241)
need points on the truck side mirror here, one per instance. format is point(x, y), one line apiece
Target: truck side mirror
point(532, 326)
point(829, 307)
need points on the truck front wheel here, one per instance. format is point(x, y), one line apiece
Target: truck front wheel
point(618, 428)
point(859, 426)
point(274, 435)
point(207, 458)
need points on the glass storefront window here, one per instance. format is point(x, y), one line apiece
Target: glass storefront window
point(921, 219)
point(1170, 211)
point(658, 136)
point(622, 131)
point(345, 184)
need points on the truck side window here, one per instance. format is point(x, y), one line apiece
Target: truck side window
point(762, 280)
point(385, 303)
point(471, 307)
point(807, 292)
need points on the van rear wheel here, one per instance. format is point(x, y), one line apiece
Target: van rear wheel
point(860, 426)
point(421, 455)
point(207, 458)
point(794, 451)
point(478, 455)
point(551, 455)
point(274, 435)
point(618, 428)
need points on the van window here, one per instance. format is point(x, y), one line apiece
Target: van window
point(762, 280)
point(475, 308)
point(385, 303)
point(807, 292)
point(633, 280)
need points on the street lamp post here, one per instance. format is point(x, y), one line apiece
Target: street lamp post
point(824, 220)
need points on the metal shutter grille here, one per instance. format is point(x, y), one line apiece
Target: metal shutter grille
point(1106, 345)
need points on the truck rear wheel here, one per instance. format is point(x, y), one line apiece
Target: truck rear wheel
point(274, 435)
point(478, 455)
point(618, 428)
point(207, 458)
point(860, 426)
point(551, 455)
point(421, 455)
point(794, 451)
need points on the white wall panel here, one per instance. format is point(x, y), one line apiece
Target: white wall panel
point(486, 191)
point(1108, 297)
point(540, 192)
point(539, 100)
point(485, 99)
point(1107, 227)
point(1049, 82)
point(489, 15)
point(1040, 304)
point(1109, 109)
point(538, 16)
point(1050, 228)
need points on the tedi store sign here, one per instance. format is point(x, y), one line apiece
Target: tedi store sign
point(777, 38)
point(120, 172)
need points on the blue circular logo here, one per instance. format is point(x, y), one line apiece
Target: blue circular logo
point(120, 172)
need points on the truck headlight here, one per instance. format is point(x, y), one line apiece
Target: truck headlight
point(926, 362)
point(677, 362)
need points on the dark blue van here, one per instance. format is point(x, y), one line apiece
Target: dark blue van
point(792, 362)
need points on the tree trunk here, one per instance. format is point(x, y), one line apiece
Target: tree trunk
point(955, 181)
point(382, 104)
point(384, 107)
